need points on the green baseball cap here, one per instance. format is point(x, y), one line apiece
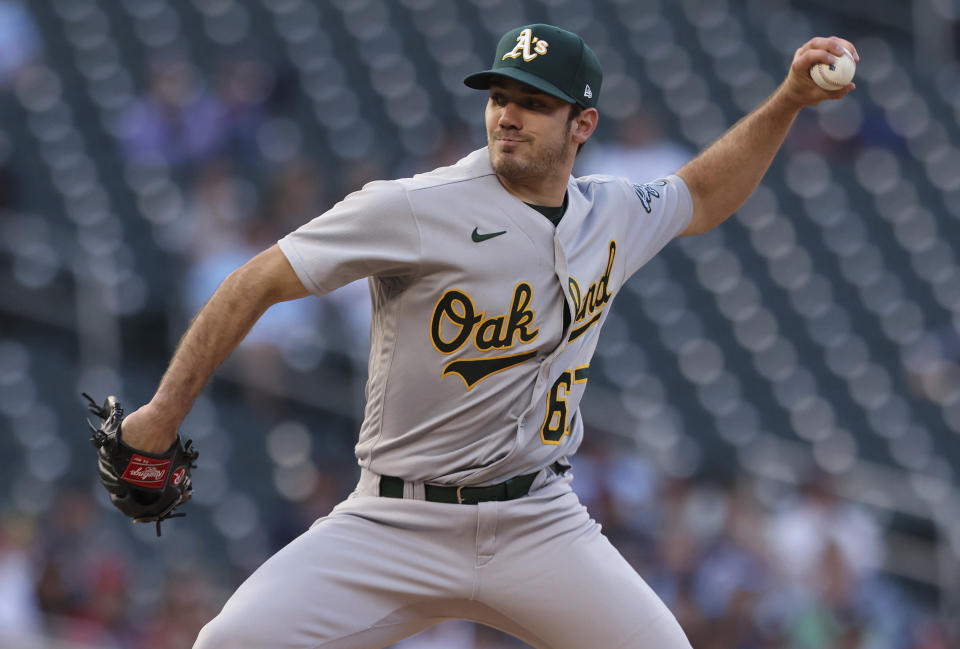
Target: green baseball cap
point(548, 58)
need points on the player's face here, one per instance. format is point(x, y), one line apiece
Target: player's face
point(528, 132)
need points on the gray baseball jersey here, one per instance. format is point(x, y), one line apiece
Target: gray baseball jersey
point(475, 373)
point(485, 317)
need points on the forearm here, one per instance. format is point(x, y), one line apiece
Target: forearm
point(723, 176)
point(213, 334)
point(216, 330)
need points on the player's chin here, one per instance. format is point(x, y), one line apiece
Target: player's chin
point(498, 152)
point(504, 150)
point(510, 166)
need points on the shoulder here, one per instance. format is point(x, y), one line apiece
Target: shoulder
point(378, 193)
point(396, 196)
point(474, 166)
point(600, 182)
point(381, 193)
point(611, 189)
point(601, 186)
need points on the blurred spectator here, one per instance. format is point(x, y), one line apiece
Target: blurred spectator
point(19, 613)
point(931, 633)
point(452, 144)
point(828, 554)
point(617, 485)
point(815, 527)
point(101, 618)
point(591, 479)
point(932, 364)
point(295, 195)
point(177, 120)
point(187, 603)
point(224, 228)
point(285, 334)
point(220, 208)
point(243, 88)
point(82, 583)
point(639, 150)
point(355, 174)
point(676, 551)
point(349, 307)
point(733, 574)
point(67, 543)
point(19, 37)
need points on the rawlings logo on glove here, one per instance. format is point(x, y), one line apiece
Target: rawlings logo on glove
point(144, 486)
point(146, 472)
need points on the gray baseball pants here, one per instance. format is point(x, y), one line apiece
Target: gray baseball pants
point(377, 570)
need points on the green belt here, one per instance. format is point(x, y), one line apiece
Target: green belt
point(392, 487)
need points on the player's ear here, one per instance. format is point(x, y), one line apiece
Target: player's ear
point(584, 125)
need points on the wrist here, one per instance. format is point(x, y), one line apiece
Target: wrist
point(144, 430)
point(783, 101)
point(166, 409)
point(163, 423)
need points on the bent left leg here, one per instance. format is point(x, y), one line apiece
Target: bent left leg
point(372, 573)
point(552, 571)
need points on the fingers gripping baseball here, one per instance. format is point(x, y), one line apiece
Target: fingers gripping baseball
point(800, 86)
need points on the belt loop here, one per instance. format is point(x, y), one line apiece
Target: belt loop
point(368, 484)
point(417, 490)
point(413, 490)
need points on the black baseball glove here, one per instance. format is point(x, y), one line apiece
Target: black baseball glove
point(144, 486)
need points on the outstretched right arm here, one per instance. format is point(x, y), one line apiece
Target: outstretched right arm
point(216, 330)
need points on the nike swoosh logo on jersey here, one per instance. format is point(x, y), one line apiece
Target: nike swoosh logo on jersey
point(477, 237)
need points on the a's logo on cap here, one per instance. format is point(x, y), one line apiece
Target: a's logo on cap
point(525, 41)
point(587, 92)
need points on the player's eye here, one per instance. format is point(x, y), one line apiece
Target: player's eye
point(534, 104)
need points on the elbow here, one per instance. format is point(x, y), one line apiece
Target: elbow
point(244, 290)
point(712, 203)
point(696, 227)
point(266, 280)
point(703, 221)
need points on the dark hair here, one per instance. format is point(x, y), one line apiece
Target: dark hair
point(575, 110)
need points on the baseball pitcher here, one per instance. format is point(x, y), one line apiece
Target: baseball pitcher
point(490, 281)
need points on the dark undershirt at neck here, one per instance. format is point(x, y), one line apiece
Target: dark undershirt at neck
point(553, 214)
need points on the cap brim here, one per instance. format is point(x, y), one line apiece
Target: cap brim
point(482, 81)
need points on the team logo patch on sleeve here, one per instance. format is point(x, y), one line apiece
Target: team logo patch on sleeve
point(647, 192)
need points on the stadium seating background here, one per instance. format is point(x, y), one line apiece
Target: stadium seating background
point(812, 337)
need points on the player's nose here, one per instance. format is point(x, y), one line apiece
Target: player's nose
point(510, 116)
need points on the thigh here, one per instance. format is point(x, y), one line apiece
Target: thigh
point(362, 578)
point(561, 578)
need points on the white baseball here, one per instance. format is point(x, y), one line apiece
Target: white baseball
point(837, 75)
